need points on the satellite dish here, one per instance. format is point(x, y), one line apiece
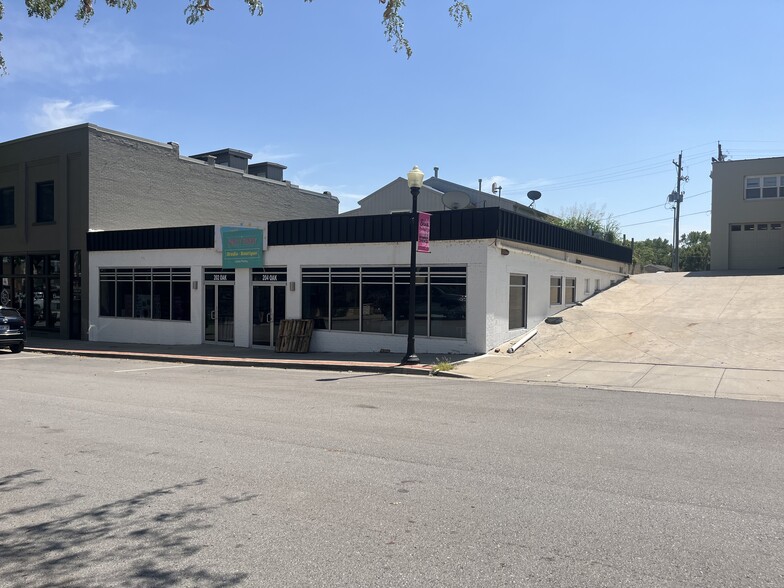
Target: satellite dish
point(494, 188)
point(534, 195)
point(455, 200)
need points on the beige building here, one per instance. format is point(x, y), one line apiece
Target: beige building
point(748, 214)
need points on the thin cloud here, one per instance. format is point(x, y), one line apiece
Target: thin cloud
point(57, 114)
point(80, 59)
point(347, 201)
point(272, 153)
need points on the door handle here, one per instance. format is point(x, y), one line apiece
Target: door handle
point(269, 317)
point(212, 315)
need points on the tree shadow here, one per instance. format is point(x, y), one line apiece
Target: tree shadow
point(136, 541)
point(19, 481)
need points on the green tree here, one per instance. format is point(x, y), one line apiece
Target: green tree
point(656, 251)
point(694, 253)
point(195, 11)
point(588, 218)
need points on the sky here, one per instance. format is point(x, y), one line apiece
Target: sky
point(587, 102)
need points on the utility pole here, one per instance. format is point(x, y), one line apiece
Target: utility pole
point(677, 198)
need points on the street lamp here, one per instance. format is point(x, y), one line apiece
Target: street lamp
point(415, 180)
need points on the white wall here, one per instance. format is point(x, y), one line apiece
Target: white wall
point(458, 253)
point(487, 274)
point(150, 331)
point(539, 267)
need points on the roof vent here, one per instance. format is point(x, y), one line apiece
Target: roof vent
point(233, 158)
point(269, 170)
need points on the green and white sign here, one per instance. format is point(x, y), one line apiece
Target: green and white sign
point(242, 247)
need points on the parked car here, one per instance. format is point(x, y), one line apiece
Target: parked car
point(12, 329)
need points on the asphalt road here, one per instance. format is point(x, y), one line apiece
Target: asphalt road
point(129, 473)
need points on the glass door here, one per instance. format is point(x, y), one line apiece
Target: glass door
point(219, 313)
point(269, 308)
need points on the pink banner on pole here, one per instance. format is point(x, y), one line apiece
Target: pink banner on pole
point(423, 241)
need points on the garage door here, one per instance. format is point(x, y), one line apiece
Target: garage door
point(756, 246)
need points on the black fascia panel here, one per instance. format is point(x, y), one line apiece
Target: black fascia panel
point(200, 237)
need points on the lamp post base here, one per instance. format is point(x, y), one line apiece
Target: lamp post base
point(410, 359)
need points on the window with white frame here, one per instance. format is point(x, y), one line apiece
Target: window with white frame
point(764, 187)
point(587, 285)
point(556, 294)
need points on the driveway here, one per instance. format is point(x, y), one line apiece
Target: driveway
point(701, 333)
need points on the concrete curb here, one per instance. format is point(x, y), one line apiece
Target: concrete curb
point(333, 366)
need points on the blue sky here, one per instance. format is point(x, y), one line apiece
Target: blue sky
point(588, 102)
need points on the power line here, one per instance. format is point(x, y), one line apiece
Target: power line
point(630, 174)
point(663, 219)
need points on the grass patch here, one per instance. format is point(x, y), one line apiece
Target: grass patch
point(442, 365)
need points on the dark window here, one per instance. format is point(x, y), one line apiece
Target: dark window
point(447, 310)
point(377, 307)
point(44, 202)
point(142, 293)
point(6, 206)
point(161, 293)
point(402, 282)
point(146, 293)
point(108, 292)
point(571, 290)
point(181, 300)
point(375, 299)
point(734, 228)
point(518, 301)
point(315, 304)
point(345, 307)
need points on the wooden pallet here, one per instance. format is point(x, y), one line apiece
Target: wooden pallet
point(294, 336)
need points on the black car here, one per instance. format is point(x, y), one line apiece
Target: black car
point(12, 329)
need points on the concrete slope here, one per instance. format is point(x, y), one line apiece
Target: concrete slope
point(709, 334)
point(699, 319)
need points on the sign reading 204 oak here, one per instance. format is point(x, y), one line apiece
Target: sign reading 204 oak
point(242, 247)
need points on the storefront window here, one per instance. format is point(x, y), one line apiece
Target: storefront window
point(146, 293)
point(375, 300)
point(30, 285)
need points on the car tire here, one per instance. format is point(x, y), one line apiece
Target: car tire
point(17, 348)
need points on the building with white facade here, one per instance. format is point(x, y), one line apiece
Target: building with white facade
point(491, 275)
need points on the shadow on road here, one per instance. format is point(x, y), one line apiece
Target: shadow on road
point(144, 540)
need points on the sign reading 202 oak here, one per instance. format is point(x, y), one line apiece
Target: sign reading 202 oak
point(242, 247)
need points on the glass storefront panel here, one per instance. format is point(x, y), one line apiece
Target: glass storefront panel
point(377, 308)
point(315, 304)
point(181, 301)
point(420, 309)
point(39, 309)
point(53, 304)
point(448, 311)
point(345, 307)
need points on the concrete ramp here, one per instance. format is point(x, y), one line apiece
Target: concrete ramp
point(694, 330)
point(701, 319)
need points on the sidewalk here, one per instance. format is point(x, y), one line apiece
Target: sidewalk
point(385, 363)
